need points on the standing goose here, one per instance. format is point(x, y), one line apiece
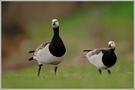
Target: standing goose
point(102, 58)
point(50, 52)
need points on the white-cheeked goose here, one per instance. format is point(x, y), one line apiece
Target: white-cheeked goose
point(102, 58)
point(50, 52)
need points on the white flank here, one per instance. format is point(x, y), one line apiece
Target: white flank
point(96, 59)
point(44, 56)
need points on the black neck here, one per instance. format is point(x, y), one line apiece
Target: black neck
point(57, 47)
point(112, 49)
point(56, 31)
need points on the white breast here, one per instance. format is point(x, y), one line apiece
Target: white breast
point(44, 56)
point(96, 60)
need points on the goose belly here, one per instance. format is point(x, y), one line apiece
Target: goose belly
point(44, 56)
point(96, 60)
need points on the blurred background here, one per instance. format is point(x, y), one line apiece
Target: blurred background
point(83, 25)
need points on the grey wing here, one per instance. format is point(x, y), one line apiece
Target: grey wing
point(105, 50)
point(41, 47)
point(98, 50)
point(95, 51)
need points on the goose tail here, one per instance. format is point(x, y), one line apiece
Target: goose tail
point(31, 51)
point(86, 50)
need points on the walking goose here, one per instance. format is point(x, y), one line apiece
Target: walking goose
point(50, 52)
point(102, 58)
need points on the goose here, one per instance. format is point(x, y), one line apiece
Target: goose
point(102, 58)
point(50, 52)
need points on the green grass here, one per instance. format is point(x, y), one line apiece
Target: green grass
point(77, 76)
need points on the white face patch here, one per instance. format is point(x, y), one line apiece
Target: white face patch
point(111, 44)
point(55, 23)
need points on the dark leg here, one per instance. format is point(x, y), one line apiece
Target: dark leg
point(99, 71)
point(55, 69)
point(40, 65)
point(109, 72)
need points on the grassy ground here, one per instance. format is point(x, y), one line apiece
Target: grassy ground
point(82, 30)
point(78, 76)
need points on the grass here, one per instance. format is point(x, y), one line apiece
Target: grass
point(77, 76)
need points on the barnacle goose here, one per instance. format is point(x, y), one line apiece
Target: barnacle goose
point(50, 52)
point(102, 58)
